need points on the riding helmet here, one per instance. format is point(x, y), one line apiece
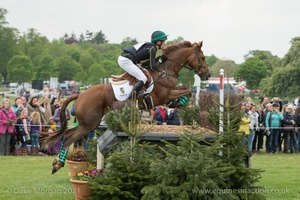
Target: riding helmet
point(158, 36)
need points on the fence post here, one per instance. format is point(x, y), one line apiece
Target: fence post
point(221, 100)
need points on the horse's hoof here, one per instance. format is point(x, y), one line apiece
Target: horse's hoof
point(55, 161)
point(57, 166)
point(54, 169)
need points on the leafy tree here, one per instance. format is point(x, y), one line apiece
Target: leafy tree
point(20, 69)
point(3, 21)
point(88, 35)
point(99, 38)
point(175, 41)
point(8, 48)
point(293, 55)
point(67, 68)
point(81, 38)
point(265, 56)
point(45, 70)
point(228, 65)
point(86, 60)
point(8, 43)
point(283, 83)
point(33, 44)
point(128, 41)
point(96, 71)
point(252, 71)
point(211, 60)
point(82, 77)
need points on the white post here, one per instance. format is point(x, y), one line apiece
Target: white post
point(221, 100)
point(100, 159)
point(197, 84)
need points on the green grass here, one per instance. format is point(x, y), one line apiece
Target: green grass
point(281, 175)
point(29, 177)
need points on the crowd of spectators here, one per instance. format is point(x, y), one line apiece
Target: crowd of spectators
point(23, 124)
point(273, 124)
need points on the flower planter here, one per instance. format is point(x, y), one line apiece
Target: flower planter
point(76, 167)
point(80, 189)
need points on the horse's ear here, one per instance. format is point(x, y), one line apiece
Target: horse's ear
point(200, 44)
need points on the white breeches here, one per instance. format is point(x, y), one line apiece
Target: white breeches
point(131, 68)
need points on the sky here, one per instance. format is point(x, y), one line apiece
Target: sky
point(229, 29)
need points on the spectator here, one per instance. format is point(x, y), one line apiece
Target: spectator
point(18, 106)
point(53, 148)
point(244, 126)
point(57, 114)
point(24, 101)
point(277, 100)
point(259, 134)
point(269, 108)
point(173, 118)
point(23, 131)
point(273, 124)
point(161, 115)
point(49, 109)
point(289, 130)
point(35, 130)
point(55, 101)
point(34, 105)
point(7, 119)
point(265, 102)
point(253, 126)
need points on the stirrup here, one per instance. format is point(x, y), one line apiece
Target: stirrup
point(148, 102)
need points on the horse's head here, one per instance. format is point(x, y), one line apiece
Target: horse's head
point(189, 56)
point(197, 63)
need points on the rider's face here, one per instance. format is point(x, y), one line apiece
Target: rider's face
point(161, 44)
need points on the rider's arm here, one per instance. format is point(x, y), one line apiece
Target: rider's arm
point(152, 55)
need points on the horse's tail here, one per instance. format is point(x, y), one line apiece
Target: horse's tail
point(55, 136)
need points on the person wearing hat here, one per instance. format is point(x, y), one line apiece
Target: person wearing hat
point(289, 130)
point(131, 56)
point(273, 124)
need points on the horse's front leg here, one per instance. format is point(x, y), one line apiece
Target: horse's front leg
point(179, 92)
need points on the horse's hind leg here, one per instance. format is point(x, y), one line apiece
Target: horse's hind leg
point(70, 135)
point(77, 133)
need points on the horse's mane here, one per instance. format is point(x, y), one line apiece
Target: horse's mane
point(174, 47)
point(169, 49)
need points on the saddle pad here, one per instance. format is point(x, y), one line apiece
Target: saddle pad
point(123, 91)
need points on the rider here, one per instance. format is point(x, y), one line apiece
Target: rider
point(140, 52)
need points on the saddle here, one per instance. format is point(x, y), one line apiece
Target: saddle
point(120, 79)
point(144, 100)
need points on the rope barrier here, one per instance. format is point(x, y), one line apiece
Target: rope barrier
point(41, 125)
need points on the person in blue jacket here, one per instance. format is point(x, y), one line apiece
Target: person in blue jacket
point(273, 125)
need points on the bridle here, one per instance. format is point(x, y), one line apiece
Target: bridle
point(196, 71)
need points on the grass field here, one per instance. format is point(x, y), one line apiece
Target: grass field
point(281, 177)
point(28, 177)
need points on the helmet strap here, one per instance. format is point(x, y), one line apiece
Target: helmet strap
point(159, 45)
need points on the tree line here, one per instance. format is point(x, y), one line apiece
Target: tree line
point(88, 57)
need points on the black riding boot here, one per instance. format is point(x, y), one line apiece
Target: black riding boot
point(137, 88)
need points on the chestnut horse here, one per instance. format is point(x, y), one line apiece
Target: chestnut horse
point(92, 104)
